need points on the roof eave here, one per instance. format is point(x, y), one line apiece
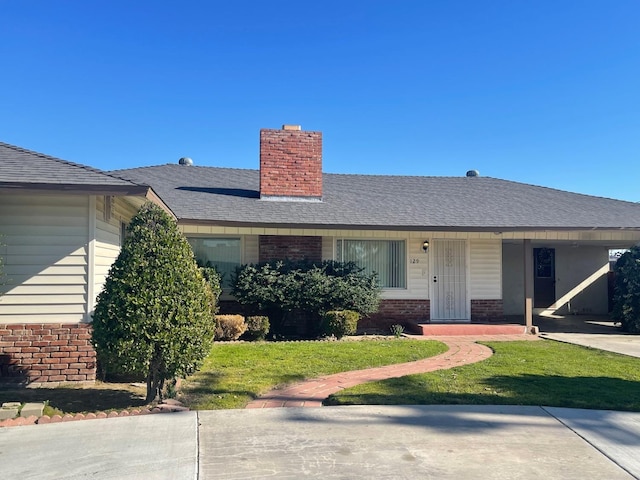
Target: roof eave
point(75, 189)
point(132, 190)
point(404, 228)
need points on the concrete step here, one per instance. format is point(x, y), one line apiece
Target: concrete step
point(9, 410)
point(32, 408)
point(453, 329)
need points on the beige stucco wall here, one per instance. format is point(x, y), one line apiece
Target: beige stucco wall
point(512, 279)
point(574, 267)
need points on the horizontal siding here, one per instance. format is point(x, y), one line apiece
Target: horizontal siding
point(486, 269)
point(45, 257)
point(418, 270)
point(251, 253)
point(107, 238)
point(43, 309)
point(16, 282)
point(58, 235)
point(12, 270)
point(328, 244)
point(47, 317)
point(49, 288)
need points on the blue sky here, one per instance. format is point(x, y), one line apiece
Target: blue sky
point(535, 91)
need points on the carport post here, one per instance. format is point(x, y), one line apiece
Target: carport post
point(528, 285)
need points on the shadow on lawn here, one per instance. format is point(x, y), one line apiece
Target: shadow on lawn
point(201, 388)
point(604, 393)
point(78, 399)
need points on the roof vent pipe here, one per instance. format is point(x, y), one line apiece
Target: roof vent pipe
point(473, 173)
point(185, 161)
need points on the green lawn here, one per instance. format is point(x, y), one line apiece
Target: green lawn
point(519, 373)
point(236, 373)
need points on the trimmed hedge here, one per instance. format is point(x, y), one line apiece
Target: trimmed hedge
point(257, 327)
point(229, 327)
point(340, 323)
point(155, 314)
point(298, 293)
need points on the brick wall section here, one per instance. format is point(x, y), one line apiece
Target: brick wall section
point(487, 311)
point(43, 353)
point(292, 247)
point(396, 311)
point(290, 163)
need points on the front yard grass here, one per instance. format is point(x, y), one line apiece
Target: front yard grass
point(519, 373)
point(236, 373)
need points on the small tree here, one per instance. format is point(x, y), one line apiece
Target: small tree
point(626, 307)
point(155, 314)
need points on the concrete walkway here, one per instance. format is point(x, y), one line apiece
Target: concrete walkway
point(374, 442)
point(310, 393)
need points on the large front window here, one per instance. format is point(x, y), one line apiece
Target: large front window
point(221, 253)
point(387, 258)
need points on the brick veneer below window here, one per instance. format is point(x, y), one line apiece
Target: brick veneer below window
point(44, 353)
point(291, 247)
point(404, 312)
point(396, 311)
point(487, 311)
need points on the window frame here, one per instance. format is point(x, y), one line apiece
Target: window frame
point(240, 238)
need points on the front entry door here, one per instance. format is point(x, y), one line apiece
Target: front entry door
point(449, 280)
point(544, 281)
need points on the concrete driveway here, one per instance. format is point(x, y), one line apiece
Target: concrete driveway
point(589, 331)
point(400, 442)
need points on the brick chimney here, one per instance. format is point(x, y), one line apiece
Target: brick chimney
point(290, 164)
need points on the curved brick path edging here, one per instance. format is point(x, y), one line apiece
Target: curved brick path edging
point(310, 393)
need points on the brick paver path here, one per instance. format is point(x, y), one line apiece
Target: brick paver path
point(310, 393)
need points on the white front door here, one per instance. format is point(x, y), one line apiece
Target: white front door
point(449, 280)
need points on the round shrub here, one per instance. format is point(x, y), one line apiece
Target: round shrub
point(257, 327)
point(340, 323)
point(229, 327)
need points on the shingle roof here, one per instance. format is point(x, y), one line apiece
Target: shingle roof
point(21, 168)
point(227, 196)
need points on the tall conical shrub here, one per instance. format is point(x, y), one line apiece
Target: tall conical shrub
point(155, 314)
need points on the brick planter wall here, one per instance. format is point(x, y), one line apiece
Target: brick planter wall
point(487, 311)
point(43, 353)
point(292, 247)
point(396, 311)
